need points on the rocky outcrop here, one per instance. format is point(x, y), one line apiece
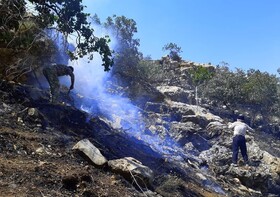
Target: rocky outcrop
point(176, 93)
point(176, 141)
point(260, 178)
point(207, 138)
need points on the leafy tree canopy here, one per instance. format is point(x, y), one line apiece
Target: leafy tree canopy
point(124, 30)
point(127, 55)
point(252, 88)
point(261, 88)
point(200, 74)
point(174, 51)
point(67, 17)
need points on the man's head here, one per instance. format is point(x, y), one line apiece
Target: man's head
point(240, 118)
point(71, 68)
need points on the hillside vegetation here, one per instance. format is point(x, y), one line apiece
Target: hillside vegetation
point(27, 45)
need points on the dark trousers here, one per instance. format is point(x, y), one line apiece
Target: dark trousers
point(239, 141)
point(52, 78)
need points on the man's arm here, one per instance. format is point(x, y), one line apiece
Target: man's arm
point(249, 128)
point(231, 125)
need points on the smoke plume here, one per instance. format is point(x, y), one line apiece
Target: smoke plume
point(99, 97)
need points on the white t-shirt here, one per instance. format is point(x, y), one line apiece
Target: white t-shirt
point(240, 128)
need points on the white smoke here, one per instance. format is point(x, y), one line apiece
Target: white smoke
point(90, 75)
point(91, 83)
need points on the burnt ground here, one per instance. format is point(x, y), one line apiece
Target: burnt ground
point(36, 156)
point(41, 163)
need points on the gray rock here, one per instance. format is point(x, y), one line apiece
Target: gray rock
point(182, 131)
point(91, 152)
point(175, 93)
point(215, 129)
point(133, 170)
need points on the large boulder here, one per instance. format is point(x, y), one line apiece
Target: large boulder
point(193, 113)
point(91, 152)
point(214, 129)
point(182, 132)
point(132, 170)
point(176, 93)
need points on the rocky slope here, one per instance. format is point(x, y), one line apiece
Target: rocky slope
point(178, 149)
point(37, 157)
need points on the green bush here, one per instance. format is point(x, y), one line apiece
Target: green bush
point(252, 88)
point(153, 71)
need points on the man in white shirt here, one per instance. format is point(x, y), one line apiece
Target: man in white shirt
point(239, 141)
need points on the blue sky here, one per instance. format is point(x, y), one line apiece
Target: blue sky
point(243, 33)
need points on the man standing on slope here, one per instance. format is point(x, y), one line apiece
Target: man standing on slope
point(239, 141)
point(52, 73)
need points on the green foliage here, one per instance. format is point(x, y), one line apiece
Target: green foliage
point(174, 51)
point(127, 54)
point(225, 86)
point(66, 16)
point(200, 74)
point(261, 89)
point(251, 88)
point(69, 18)
point(153, 71)
point(22, 40)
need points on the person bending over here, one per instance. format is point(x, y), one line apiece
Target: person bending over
point(52, 73)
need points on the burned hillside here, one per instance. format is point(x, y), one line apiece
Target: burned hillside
point(186, 148)
point(157, 128)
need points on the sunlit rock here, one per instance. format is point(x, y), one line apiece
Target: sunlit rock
point(175, 93)
point(91, 152)
point(215, 129)
point(132, 169)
